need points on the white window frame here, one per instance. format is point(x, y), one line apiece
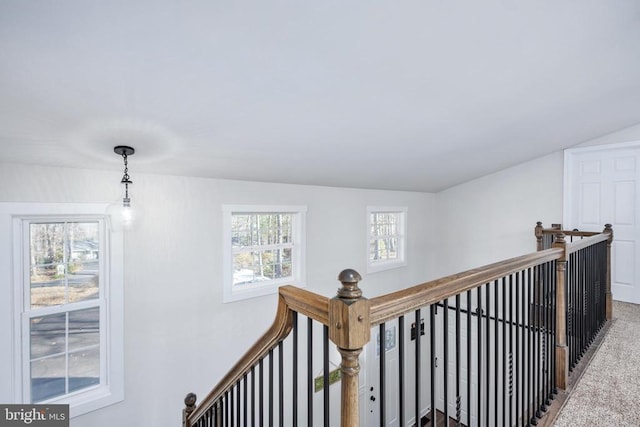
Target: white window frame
point(374, 266)
point(234, 293)
point(13, 217)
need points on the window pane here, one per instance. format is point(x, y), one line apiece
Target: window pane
point(83, 281)
point(48, 335)
point(47, 270)
point(65, 263)
point(84, 369)
point(247, 275)
point(47, 243)
point(261, 229)
point(84, 328)
point(48, 378)
point(241, 230)
point(385, 236)
point(47, 286)
point(83, 241)
point(383, 249)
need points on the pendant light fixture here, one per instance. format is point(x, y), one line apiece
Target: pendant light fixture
point(123, 214)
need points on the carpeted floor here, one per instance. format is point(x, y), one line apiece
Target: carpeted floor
point(608, 394)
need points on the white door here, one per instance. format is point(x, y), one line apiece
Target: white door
point(601, 185)
point(372, 388)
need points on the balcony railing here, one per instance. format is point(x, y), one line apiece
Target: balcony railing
point(487, 347)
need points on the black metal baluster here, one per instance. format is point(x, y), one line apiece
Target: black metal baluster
point(383, 384)
point(261, 393)
point(517, 349)
point(401, 369)
point(270, 388)
point(504, 351)
point(225, 413)
point(539, 341)
point(237, 404)
point(417, 365)
point(458, 366)
point(488, 354)
point(577, 307)
point(245, 398)
point(280, 385)
point(531, 353)
point(469, 308)
point(309, 371)
point(432, 351)
point(536, 344)
point(526, 366)
point(550, 344)
point(445, 357)
point(580, 293)
point(571, 268)
point(545, 337)
point(513, 327)
point(325, 347)
point(294, 385)
point(253, 396)
point(586, 300)
point(554, 308)
point(588, 297)
point(590, 310)
point(479, 369)
point(569, 309)
point(496, 352)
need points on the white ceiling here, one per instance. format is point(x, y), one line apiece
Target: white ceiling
point(409, 95)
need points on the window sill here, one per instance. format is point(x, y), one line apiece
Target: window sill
point(87, 401)
point(383, 266)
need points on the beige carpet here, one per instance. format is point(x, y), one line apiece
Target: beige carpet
point(608, 394)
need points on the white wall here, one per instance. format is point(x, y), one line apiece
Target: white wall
point(179, 337)
point(493, 218)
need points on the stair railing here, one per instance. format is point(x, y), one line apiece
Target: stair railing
point(528, 320)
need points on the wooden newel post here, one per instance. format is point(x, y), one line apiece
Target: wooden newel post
point(562, 351)
point(189, 406)
point(538, 231)
point(608, 295)
point(350, 330)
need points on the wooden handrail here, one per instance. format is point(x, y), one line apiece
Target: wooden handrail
point(586, 242)
point(390, 306)
point(290, 299)
point(306, 303)
point(574, 233)
point(349, 316)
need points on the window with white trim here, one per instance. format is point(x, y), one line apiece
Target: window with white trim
point(68, 289)
point(264, 249)
point(386, 245)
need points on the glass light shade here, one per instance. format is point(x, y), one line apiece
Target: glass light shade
point(124, 213)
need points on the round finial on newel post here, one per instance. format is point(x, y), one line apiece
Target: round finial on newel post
point(190, 402)
point(608, 228)
point(349, 279)
point(559, 238)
